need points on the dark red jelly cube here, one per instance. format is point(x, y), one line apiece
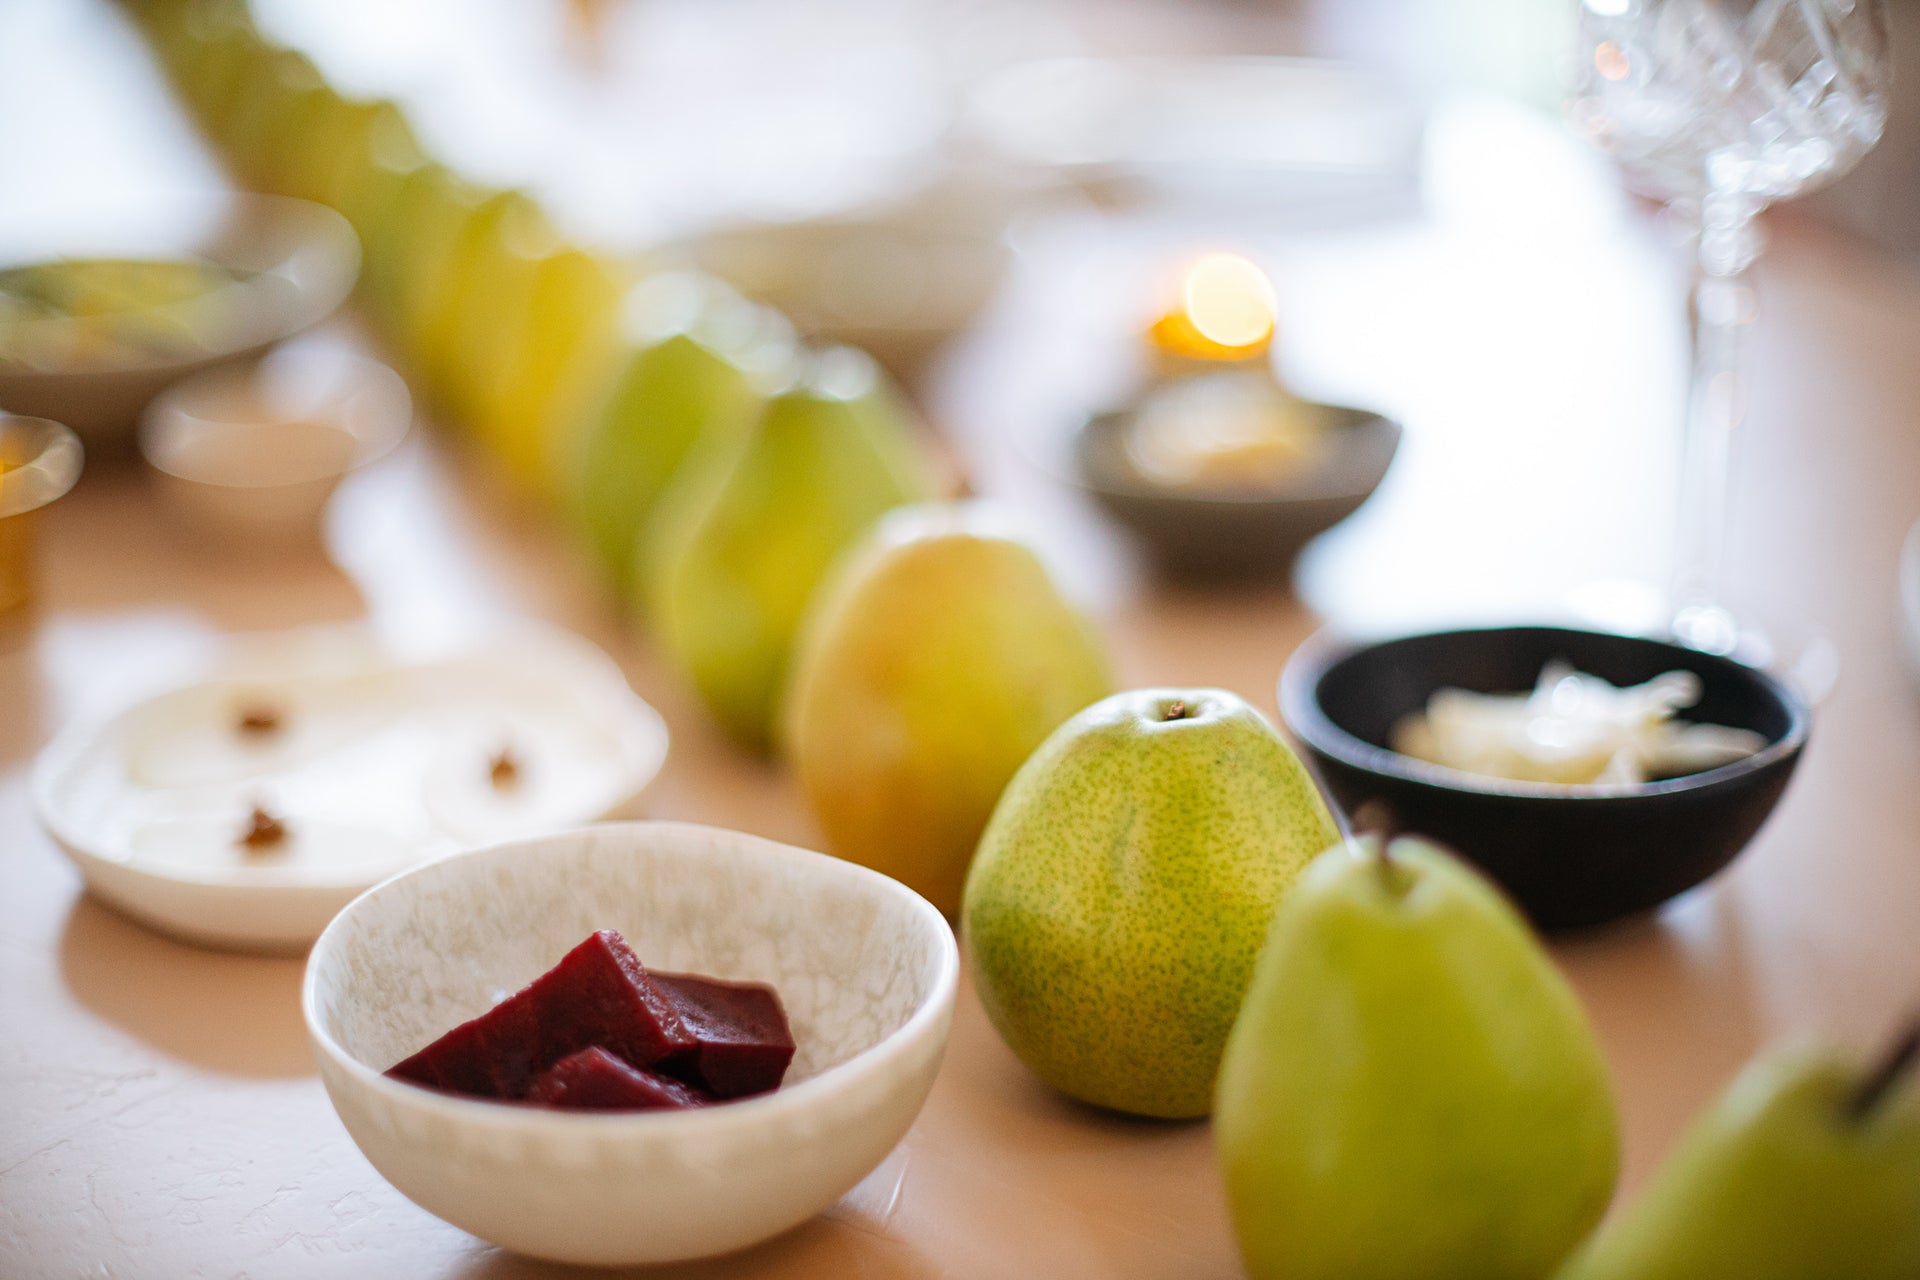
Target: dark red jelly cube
point(457, 1062)
point(507, 1039)
point(595, 1080)
point(742, 1042)
point(597, 995)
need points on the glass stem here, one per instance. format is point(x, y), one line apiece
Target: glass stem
point(1723, 308)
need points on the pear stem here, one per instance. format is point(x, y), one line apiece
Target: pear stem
point(1176, 710)
point(1376, 818)
point(1386, 863)
point(1898, 1060)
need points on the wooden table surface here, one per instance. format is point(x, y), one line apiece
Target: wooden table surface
point(159, 1111)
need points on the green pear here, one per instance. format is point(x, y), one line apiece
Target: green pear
point(1411, 1091)
point(555, 336)
point(484, 280)
point(1807, 1168)
point(286, 164)
point(935, 661)
point(407, 246)
point(748, 527)
point(167, 26)
point(700, 361)
point(1123, 887)
point(258, 135)
point(211, 51)
point(357, 164)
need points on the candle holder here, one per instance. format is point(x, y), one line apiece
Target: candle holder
point(39, 462)
point(1221, 471)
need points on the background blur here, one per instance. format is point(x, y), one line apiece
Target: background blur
point(1443, 249)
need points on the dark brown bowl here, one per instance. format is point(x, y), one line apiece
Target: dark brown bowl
point(1194, 534)
point(1571, 858)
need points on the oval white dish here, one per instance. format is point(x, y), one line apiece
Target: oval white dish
point(359, 760)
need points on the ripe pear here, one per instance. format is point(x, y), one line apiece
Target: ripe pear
point(749, 527)
point(1411, 1091)
point(483, 283)
point(444, 218)
point(1124, 885)
point(1807, 1168)
point(211, 52)
point(700, 360)
point(556, 339)
point(325, 124)
point(259, 102)
point(936, 659)
point(407, 246)
point(359, 167)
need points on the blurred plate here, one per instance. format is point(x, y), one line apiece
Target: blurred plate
point(1300, 133)
point(1201, 535)
point(293, 261)
point(370, 760)
point(898, 280)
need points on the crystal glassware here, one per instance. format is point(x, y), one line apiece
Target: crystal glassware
point(1719, 107)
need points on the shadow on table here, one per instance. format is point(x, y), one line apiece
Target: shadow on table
point(23, 726)
point(1679, 1009)
point(1680, 975)
point(823, 1246)
point(235, 1014)
point(97, 562)
point(1234, 637)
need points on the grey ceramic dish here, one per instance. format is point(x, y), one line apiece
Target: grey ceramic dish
point(1196, 534)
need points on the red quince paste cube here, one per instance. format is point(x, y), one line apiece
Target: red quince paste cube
point(457, 1062)
point(595, 1080)
point(742, 1041)
point(597, 995)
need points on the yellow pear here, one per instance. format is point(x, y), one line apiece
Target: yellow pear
point(554, 336)
point(937, 658)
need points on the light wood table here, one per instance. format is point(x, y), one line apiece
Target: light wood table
point(159, 1113)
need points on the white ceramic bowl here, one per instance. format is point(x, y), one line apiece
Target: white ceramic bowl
point(296, 260)
point(898, 284)
point(247, 456)
point(865, 967)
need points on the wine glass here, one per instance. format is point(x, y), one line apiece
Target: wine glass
point(1719, 107)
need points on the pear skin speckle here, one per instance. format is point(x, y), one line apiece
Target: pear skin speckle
point(1123, 888)
point(935, 659)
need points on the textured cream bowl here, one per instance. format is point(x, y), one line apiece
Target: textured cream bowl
point(865, 966)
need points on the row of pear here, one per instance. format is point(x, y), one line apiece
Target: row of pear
point(711, 464)
point(1407, 1088)
point(1403, 1086)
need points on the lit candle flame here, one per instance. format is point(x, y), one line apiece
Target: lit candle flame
point(1611, 60)
point(1225, 313)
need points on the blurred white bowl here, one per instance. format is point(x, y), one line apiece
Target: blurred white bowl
point(898, 281)
point(1302, 141)
point(248, 457)
point(295, 262)
point(865, 967)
